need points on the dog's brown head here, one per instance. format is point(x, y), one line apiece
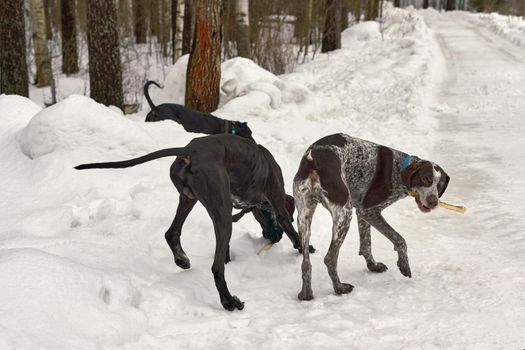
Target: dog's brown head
point(428, 180)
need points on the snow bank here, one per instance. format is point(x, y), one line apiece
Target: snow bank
point(79, 123)
point(17, 109)
point(509, 27)
point(54, 302)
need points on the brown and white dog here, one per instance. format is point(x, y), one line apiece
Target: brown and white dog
point(343, 172)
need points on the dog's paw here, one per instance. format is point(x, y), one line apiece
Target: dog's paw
point(404, 268)
point(233, 303)
point(343, 288)
point(377, 267)
point(305, 295)
point(183, 263)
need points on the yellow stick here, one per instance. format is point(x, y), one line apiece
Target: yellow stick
point(265, 247)
point(457, 208)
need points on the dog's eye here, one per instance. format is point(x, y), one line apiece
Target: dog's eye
point(426, 181)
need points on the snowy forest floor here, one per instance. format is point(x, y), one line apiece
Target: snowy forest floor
point(84, 264)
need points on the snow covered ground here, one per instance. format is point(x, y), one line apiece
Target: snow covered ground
point(509, 27)
point(84, 264)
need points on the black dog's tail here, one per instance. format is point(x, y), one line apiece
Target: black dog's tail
point(168, 152)
point(146, 93)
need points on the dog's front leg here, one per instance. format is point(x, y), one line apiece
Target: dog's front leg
point(374, 218)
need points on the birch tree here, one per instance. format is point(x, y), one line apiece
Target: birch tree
point(177, 20)
point(243, 28)
point(42, 60)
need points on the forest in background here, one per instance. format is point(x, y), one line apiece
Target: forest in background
point(41, 40)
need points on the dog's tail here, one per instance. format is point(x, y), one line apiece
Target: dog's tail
point(168, 152)
point(146, 93)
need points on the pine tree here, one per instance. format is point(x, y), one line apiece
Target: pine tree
point(105, 71)
point(204, 66)
point(13, 64)
point(243, 28)
point(332, 26)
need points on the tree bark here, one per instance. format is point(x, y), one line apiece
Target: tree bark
point(13, 64)
point(69, 37)
point(105, 71)
point(425, 4)
point(186, 30)
point(204, 66)
point(154, 21)
point(42, 60)
point(397, 3)
point(47, 11)
point(177, 21)
point(450, 5)
point(242, 36)
point(139, 21)
point(344, 14)
point(372, 10)
point(332, 26)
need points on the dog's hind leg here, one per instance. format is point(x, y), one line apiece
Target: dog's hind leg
point(175, 230)
point(375, 219)
point(212, 188)
point(341, 217)
point(306, 205)
point(365, 246)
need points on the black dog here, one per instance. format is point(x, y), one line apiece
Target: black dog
point(220, 171)
point(194, 121)
point(205, 123)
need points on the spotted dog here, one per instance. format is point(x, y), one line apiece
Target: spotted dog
point(343, 172)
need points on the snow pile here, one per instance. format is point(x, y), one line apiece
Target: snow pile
point(509, 27)
point(47, 299)
point(78, 123)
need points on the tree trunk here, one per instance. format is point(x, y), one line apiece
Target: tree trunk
point(177, 21)
point(154, 21)
point(450, 5)
point(204, 66)
point(69, 37)
point(242, 36)
point(186, 30)
point(344, 14)
point(397, 3)
point(140, 21)
point(13, 64)
point(372, 10)
point(47, 11)
point(105, 71)
point(425, 4)
point(165, 26)
point(123, 18)
point(332, 26)
point(42, 60)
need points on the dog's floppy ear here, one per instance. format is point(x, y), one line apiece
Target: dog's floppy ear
point(381, 185)
point(443, 182)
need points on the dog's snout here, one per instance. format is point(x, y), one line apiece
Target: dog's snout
point(432, 201)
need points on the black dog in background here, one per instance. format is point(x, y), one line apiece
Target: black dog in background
point(194, 121)
point(205, 123)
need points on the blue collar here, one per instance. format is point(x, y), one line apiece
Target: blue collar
point(406, 162)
